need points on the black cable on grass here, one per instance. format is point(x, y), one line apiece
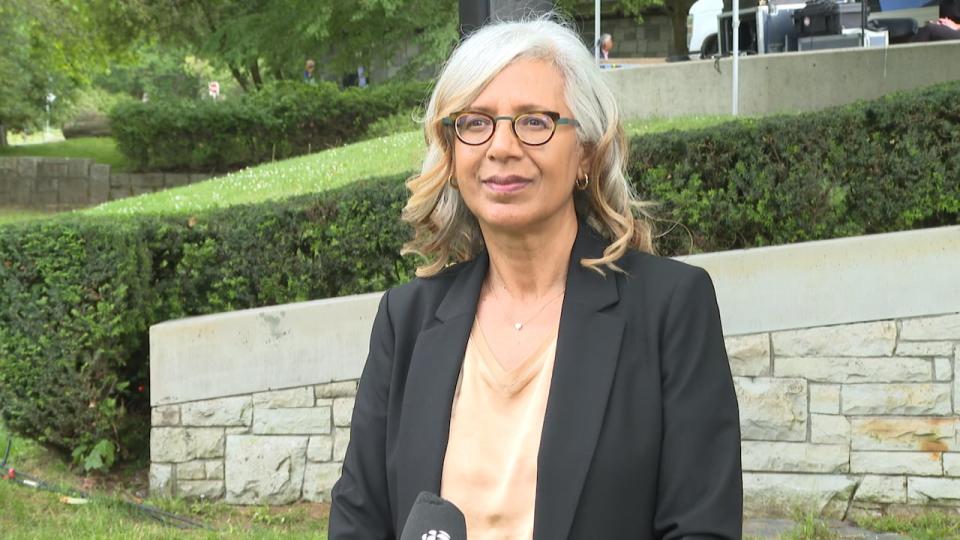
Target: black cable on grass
point(165, 518)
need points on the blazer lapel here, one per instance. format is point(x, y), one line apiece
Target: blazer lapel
point(431, 381)
point(588, 347)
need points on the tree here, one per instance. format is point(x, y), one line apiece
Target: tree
point(259, 40)
point(49, 47)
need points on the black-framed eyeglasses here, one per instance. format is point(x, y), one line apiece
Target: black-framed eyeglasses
point(532, 128)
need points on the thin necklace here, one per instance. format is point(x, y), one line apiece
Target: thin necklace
point(518, 326)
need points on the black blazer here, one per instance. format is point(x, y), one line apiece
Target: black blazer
point(641, 437)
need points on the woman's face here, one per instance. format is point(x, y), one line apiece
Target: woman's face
point(510, 185)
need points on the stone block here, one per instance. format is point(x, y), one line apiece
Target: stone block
point(794, 457)
point(319, 480)
point(8, 166)
point(749, 355)
point(75, 192)
point(52, 168)
point(772, 409)
point(292, 397)
point(956, 382)
point(945, 327)
point(119, 193)
point(161, 480)
point(826, 494)
point(214, 469)
point(99, 190)
point(882, 489)
point(100, 172)
point(151, 181)
point(320, 448)
point(943, 369)
point(27, 167)
point(336, 390)
point(951, 464)
point(903, 433)
point(78, 168)
point(905, 399)
point(342, 411)
point(238, 430)
point(192, 470)
point(136, 191)
point(295, 421)
point(825, 398)
point(198, 177)
point(855, 370)
point(829, 429)
point(231, 411)
point(172, 180)
point(936, 491)
point(44, 199)
point(341, 440)
point(925, 348)
point(118, 180)
point(178, 444)
point(165, 415)
point(265, 470)
point(200, 489)
point(861, 339)
point(908, 463)
point(46, 185)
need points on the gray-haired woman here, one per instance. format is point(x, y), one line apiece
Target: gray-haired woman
point(546, 373)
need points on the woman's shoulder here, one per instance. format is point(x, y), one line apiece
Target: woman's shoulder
point(642, 266)
point(426, 292)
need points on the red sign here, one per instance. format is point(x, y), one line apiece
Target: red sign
point(214, 89)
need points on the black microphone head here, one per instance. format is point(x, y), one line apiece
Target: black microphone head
point(433, 518)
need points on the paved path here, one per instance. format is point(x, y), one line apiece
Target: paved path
point(773, 528)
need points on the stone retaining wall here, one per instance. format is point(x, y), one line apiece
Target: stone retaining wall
point(67, 183)
point(850, 417)
point(844, 353)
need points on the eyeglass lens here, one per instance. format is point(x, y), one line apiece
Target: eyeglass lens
point(477, 128)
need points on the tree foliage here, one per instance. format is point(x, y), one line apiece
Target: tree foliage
point(48, 47)
point(262, 40)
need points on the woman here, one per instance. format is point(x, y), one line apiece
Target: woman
point(545, 373)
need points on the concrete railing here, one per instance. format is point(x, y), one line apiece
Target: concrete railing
point(67, 183)
point(781, 83)
point(844, 353)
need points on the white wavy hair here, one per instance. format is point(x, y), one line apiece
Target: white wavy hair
point(445, 231)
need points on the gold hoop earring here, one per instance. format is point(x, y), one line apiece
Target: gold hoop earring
point(582, 183)
point(453, 183)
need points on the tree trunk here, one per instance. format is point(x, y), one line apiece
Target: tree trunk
point(239, 77)
point(255, 73)
point(3, 136)
point(677, 11)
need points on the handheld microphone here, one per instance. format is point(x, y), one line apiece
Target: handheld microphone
point(433, 518)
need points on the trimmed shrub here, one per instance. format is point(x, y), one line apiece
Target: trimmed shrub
point(884, 165)
point(280, 121)
point(77, 294)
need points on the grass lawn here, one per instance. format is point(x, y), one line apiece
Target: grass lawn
point(100, 149)
point(31, 513)
point(390, 155)
point(11, 215)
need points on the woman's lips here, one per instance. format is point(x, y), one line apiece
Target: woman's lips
point(506, 184)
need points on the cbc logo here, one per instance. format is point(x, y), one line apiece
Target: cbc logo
point(436, 535)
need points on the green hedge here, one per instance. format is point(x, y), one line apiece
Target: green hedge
point(279, 121)
point(77, 294)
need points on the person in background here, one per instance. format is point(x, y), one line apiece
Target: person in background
point(546, 372)
point(308, 69)
point(606, 45)
point(946, 28)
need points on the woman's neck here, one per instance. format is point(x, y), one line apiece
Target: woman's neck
point(531, 265)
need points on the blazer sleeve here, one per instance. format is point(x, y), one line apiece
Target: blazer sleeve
point(360, 506)
point(700, 488)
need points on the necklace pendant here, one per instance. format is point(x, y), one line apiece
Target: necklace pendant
point(517, 326)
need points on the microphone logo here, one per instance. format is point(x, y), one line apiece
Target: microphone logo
point(436, 535)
